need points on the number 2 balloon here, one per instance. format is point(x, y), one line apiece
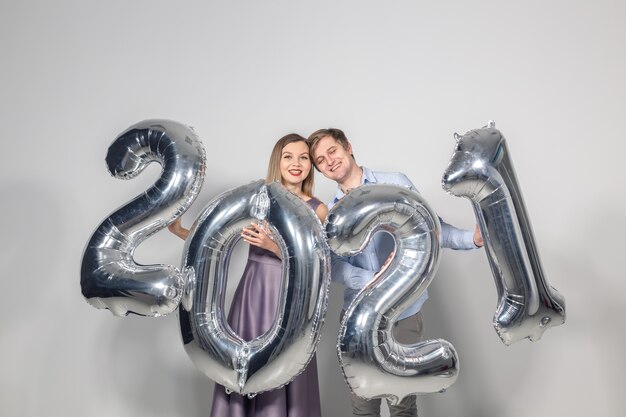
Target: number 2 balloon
point(109, 276)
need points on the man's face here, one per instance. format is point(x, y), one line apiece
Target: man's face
point(332, 159)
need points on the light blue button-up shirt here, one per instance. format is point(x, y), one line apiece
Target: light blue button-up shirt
point(356, 271)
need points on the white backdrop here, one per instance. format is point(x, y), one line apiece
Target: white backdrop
point(400, 77)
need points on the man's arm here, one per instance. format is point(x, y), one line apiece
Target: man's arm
point(451, 237)
point(454, 238)
point(351, 276)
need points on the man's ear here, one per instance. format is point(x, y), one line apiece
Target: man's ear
point(349, 148)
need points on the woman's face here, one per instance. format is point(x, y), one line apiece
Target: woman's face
point(295, 163)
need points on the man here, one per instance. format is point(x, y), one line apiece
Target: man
point(332, 155)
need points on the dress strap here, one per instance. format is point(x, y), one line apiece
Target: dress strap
point(314, 203)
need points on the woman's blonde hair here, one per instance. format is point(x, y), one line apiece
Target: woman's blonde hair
point(273, 169)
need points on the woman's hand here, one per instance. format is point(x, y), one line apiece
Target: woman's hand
point(178, 229)
point(261, 236)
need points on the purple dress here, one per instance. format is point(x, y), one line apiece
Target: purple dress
point(252, 313)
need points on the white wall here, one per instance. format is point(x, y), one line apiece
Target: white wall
point(400, 78)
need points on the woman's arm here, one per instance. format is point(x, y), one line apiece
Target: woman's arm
point(322, 212)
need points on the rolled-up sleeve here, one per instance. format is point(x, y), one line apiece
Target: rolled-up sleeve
point(451, 237)
point(455, 238)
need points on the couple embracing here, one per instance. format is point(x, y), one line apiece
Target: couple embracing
point(255, 301)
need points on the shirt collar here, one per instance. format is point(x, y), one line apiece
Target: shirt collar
point(368, 176)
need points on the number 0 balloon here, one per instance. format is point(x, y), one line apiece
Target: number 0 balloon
point(276, 357)
point(481, 169)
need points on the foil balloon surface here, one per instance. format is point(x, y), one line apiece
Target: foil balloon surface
point(374, 364)
point(276, 357)
point(109, 276)
point(481, 170)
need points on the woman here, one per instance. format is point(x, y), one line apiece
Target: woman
point(255, 302)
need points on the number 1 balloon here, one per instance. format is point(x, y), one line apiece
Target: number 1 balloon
point(276, 357)
point(481, 170)
point(374, 364)
point(109, 276)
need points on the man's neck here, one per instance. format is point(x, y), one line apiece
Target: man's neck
point(354, 179)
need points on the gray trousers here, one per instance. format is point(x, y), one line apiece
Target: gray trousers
point(407, 331)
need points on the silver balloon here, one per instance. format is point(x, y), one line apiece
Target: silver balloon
point(276, 357)
point(109, 276)
point(374, 364)
point(481, 170)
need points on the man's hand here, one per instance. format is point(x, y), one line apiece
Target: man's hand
point(478, 238)
point(386, 264)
